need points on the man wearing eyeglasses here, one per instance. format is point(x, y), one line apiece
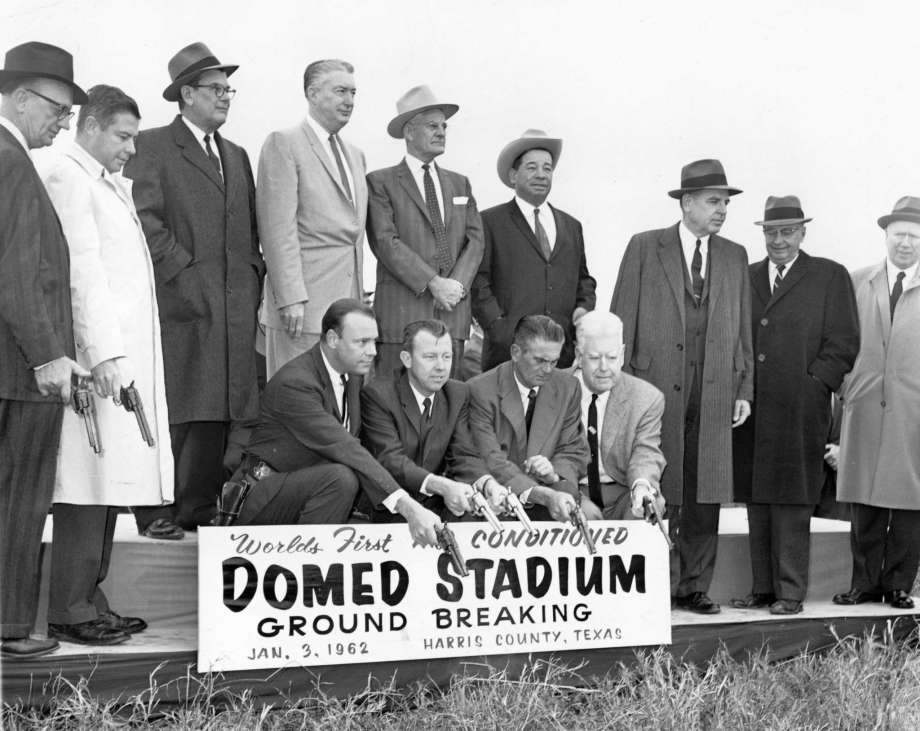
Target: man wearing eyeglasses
point(36, 329)
point(806, 336)
point(195, 196)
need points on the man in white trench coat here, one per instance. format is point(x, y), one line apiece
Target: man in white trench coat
point(117, 334)
point(879, 462)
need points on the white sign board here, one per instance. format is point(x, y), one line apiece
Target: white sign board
point(283, 596)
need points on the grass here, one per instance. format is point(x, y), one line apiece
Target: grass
point(858, 684)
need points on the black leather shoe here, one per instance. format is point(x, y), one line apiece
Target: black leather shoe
point(130, 625)
point(94, 632)
point(698, 602)
point(786, 606)
point(899, 599)
point(25, 648)
point(857, 596)
point(753, 601)
point(163, 529)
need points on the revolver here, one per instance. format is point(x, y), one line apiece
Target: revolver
point(232, 497)
point(131, 400)
point(578, 519)
point(483, 510)
point(447, 542)
point(85, 406)
point(512, 504)
point(653, 516)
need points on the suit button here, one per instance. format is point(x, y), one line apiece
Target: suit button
point(761, 358)
point(764, 322)
point(883, 404)
point(677, 387)
point(680, 346)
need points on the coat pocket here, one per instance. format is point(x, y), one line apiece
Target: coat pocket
point(182, 298)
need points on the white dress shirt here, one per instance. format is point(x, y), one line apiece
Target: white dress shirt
point(547, 219)
point(772, 269)
point(688, 244)
point(323, 134)
point(586, 394)
point(415, 167)
point(909, 274)
point(199, 135)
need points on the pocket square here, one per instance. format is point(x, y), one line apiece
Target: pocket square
point(461, 200)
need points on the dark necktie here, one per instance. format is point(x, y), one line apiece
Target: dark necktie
point(344, 381)
point(212, 156)
point(443, 257)
point(778, 279)
point(542, 238)
point(696, 272)
point(896, 291)
point(528, 415)
point(426, 409)
point(334, 144)
point(594, 472)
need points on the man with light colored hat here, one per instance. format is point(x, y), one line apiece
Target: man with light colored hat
point(534, 260)
point(805, 337)
point(195, 196)
point(879, 464)
point(683, 294)
point(36, 330)
point(424, 229)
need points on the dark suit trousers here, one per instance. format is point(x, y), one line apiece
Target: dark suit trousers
point(30, 434)
point(780, 539)
point(886, 548)
point(80, 554)
point(198, 451)
point(388, 362)
point(322, 494)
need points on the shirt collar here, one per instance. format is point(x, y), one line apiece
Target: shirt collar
point(334, 375)
point(774, 267)
point(89, 163)
point(909, 273)
point(414, 163)
point(320, 131)
point(688, 238)
point(527, 208)
point(17, 133)
point(419, 396)
point(196, 131)
point(525, 390)
point(587, 393)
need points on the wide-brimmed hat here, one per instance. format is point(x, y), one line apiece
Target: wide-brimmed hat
point(531, 139)
point(703, 175)
point(415, 101)
point(906, 209)
point(782, 210)
point(35, 59)
point(190, 63)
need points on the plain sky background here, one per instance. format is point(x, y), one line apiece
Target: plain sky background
point(816, 99)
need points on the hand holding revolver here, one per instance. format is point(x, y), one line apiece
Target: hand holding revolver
point(131, 400)
point(85, 407)
point(447, 542)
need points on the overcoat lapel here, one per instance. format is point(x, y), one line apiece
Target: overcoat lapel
point(524, 227)
point(317, 147)
point(793, 276)
point(545, 414)
point(879, 288)
point(194, 153)
point(510, 402)
point(760, 281)
point(672, 263)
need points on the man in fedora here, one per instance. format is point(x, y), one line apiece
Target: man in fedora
point(806, 336)
point(683, 294)
point(195, 196)
point(312, 205)
point(424, 229)
point(36, 330)
point(878, 469)
point(534, 259)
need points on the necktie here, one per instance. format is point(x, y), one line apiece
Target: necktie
point(426, 409)
point(531, 400)
point(896, 291)
point(542, 238)
point(445, 263)
point(778, 279)
point(334, 144)
point(344, 381)
point(212, 156)
point(696, 272)
point(594, 473)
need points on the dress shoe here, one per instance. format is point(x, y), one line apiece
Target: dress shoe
point(857, 596)
point(786, 606)
point(25, 648)
point(94, 632)
point(698, 602)
point(163, 529)
point(899, 599)
point(754, 600)
point(130, 625)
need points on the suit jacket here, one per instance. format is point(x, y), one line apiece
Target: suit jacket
point(301, 426)
point(201, 230)
point(312, 236)
point(500, 432)
point(806, 337)
point(515, 280)
point(391, 430)
point(401, 236)
point(650, 297)
point(35, 314)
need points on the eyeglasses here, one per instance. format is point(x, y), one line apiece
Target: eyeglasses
point(786, 233)
point(219, 90)
point(905, 236)
point(63, 112)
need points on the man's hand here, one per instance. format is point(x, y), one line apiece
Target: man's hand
point(54, 377)
point(446, 292)
point(558, 503)
point(741, 413)
point(540, 467)
point(292, 317)
point(495, 492)
point(107, 379)
point(577, 314)
point(831, 455)
point(456, 495)
point(422, 522)
point(642, 489)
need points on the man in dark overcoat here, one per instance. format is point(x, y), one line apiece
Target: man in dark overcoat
point(195, 196)
point(806, 337)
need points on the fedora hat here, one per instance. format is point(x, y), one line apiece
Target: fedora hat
point(906, 209)
point(782, 210)
point(418, 99)
point(531, 139)
point(703, 175)
point(188, 64)
point(43, 60)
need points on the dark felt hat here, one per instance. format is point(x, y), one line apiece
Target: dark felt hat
point(782, 210)
point(35, 59)
point(906, 209)
point(188, 64)
point(703, 175)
